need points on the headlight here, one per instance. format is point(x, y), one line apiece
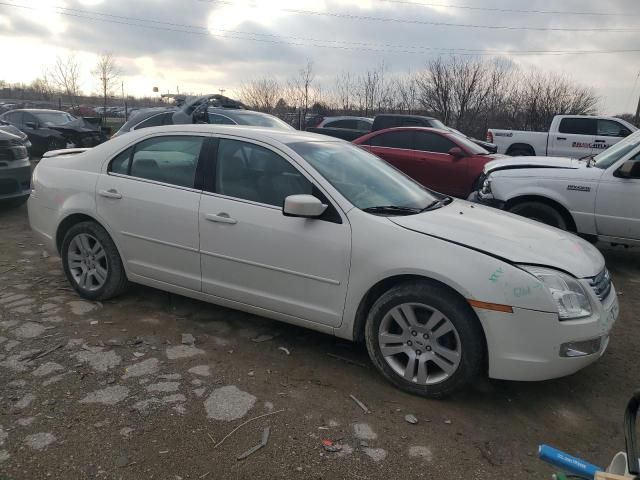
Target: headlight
point(485, 190)
point(570, 297)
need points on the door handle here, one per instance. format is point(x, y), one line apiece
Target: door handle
point(111, 193)
point(221, 217)
point(600, 141)
point(561, 138)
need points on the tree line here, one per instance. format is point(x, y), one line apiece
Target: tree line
point(466, 93)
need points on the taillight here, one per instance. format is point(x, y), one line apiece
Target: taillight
point(489, 136)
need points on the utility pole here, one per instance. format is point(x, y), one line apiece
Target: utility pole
point(222, 90)
point(637, 119)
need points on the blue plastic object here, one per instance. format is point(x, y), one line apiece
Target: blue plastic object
point(566, 462)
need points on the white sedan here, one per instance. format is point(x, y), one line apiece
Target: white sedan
point(316, 232)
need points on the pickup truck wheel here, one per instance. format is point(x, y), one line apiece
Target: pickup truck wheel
point(540, 212)
point(424, 339)
point(520, 152)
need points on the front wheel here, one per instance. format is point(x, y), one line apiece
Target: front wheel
point(92, 263)
point(540, 212)
point(425, 339)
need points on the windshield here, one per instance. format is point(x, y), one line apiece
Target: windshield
point(614, 153)
point(362, 178)
point(259, 120)
point(55, 118)
point(433, 123)
point(470, 146)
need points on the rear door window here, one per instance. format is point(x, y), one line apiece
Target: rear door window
point(168, 159)
point(153, 121)
point(578, 126)
point(399, 139)
point(346, 123)
point(14, 117)
point(216, 119)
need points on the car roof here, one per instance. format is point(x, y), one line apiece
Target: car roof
point(267, 134)
point(404, 115)
point(347, 117)
point(38, 110)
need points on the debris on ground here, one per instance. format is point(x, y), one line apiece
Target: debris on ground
point(360, 404)
point(347, 360)
point(263, 443)
point(188, 339)
point(411, 419)
point(285, 350)
point(262, 338)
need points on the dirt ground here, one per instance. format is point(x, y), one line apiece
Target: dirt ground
point(109, 391)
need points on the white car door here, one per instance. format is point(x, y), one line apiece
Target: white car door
point(253, 254)
point(618, 200)
point(148, 198)
point(575, 138)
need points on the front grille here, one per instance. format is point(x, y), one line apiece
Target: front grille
point(8, 186)
point(601, 284)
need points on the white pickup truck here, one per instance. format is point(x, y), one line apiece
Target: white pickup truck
point(573, 136)
point(598, 197)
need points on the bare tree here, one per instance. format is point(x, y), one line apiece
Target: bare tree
point(107, 73)
point(406, 88)
point(261, 94)
point(65, 76)
point(299, 91)
point(42, 87)
point(343, 92)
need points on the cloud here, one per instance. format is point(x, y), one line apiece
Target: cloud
point(202, 46)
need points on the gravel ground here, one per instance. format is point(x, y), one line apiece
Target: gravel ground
point(149, 384)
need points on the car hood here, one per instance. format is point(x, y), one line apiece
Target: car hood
point(79, 125)
point(506, 163)
point(507, 236)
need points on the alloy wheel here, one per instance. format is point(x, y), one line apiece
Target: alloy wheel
point(87, 261)
point(419, 343)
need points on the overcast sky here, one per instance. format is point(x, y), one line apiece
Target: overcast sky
point(201, 46)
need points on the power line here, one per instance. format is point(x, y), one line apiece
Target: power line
point(301, 41)
point(350, 16)
point(510, 10)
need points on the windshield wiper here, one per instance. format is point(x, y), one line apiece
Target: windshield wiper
point(437, 204)
point(392, 210)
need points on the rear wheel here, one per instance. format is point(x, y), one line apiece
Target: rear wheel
point(520, 152)
point(425, 339)
point(92, 263)
point(540, 212)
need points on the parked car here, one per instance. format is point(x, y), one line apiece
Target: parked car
point(322, 234)
point(350, 128)
point(438, 159)
point(569, 136)
point(15, 169)
point(598, 197)
point(8, 128)
point(83, 111)
point(388, 120)
point(344, 127)
point(235, 116)
point(199, 111)
point(54, 129)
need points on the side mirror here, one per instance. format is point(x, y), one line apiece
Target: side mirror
point(456, 152)
point(305, 206)
point(31, 125)
point(629, 169)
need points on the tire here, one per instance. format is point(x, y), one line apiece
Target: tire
point(433, 306)
point(109, 278)
point(520, 152)
point(541, 212)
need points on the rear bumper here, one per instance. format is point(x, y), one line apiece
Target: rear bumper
point(525, 345)
point(15, 179)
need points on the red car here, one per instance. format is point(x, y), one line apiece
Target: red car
point(440, 160)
